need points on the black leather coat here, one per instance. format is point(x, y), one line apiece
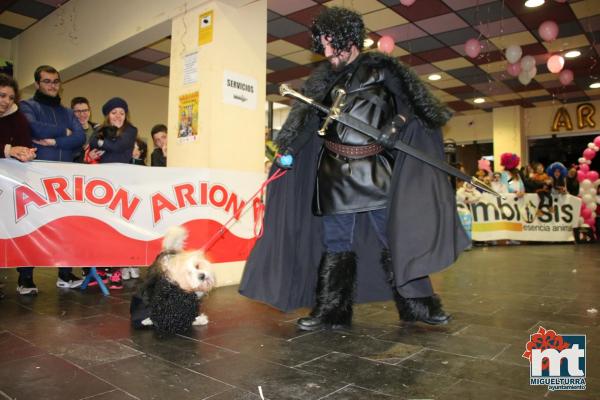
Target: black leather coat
point(345, 184)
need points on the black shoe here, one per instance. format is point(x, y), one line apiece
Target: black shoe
point(335, 293)
point(423, 309)
point(314, 324)
point(26, 286)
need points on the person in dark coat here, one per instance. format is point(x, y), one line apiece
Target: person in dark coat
point(369, 205)
point(55, 131)
point(158, 158)
point(57, 135)
point(116, 136)
point(15, 134)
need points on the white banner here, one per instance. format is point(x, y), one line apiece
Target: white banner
point(116, 214)
point(521, 219)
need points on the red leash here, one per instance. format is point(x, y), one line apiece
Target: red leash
point(258, 207)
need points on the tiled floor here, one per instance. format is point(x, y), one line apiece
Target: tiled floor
point(68, 344)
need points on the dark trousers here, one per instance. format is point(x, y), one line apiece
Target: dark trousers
point(27, 272)
point(338, 236)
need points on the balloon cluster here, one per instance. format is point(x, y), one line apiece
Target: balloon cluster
point(525, 67)
point(588, 184)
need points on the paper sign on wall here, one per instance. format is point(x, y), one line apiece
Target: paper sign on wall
point(187, 127)
point(190, 68)
point(205, 30)
point(239, 90)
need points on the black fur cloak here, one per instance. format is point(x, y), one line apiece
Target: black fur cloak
point(424, 230)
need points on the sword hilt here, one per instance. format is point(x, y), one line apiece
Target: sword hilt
point(334, 111)
point(287, 91)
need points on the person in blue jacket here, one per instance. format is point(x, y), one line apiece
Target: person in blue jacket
point(55, 131)
point(56, 134)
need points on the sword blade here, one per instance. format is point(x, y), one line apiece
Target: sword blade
point(372, 132)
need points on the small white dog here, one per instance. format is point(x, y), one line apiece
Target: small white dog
point(169, 298)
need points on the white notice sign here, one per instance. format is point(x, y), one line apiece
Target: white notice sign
point(190, 68)
point(239, 90)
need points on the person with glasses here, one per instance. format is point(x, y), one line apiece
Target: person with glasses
point(81, 109)
point(55, 131)
point(57, 135)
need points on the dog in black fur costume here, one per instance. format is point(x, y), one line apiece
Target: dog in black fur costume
point(169, 298)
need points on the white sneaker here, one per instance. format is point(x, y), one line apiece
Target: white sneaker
point(135, 272)
point(125, 274)
point(72, 282)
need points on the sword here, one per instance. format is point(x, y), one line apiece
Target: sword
point(335, 114)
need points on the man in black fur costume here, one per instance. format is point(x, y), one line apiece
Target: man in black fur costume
point(401, 211)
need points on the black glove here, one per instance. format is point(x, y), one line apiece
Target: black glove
point(390, 133)
point(284, 160)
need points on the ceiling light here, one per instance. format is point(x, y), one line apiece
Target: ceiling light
point(368, 43)
point(595, 85)
point(479, 100)
point(533, 3)
point(434, 77)
point(573, 54)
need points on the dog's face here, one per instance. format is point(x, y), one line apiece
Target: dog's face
point(190, 271)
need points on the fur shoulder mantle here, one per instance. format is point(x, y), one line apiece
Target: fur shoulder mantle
point(412, 90)
point(402, 81)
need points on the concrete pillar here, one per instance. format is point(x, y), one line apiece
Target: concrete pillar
point(230, 59)
point(509, 134)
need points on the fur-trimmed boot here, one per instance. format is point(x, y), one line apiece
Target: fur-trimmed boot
point(425, 309)
point(335, 293)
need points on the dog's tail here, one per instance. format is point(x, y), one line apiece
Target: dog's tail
point(175, 238)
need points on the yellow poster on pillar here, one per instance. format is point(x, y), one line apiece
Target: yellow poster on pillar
point(205, 30)
point(187, 127)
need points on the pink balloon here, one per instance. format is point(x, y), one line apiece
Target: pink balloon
point(584, 167)
point(581, 176)
point(586, 213)
point(592, 176)
point(565, 77)
point(548, 30)
point(513, 69)
point(597, 141)
point(589, 154)
point(407, 3)
point(555, 63)
point(386, 44)
point(472, 48)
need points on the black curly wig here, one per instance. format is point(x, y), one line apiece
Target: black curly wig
point(344, 27)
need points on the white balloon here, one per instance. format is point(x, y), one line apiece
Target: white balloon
point(532, 72)
point(597, 182)
point(527, 62)
point(585, 184)
point(581, 160)
point(591, 145)
point(581, 220)
point(524, 77)
point(585, 226)
point(592, 206)
point(586, 198)
point(513, 53)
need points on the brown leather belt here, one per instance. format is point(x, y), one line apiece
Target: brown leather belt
point(354, 151)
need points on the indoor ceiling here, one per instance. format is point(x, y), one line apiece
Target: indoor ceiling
point(429, 36)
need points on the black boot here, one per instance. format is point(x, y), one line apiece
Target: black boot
point(335, 292)
point(425, 309)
